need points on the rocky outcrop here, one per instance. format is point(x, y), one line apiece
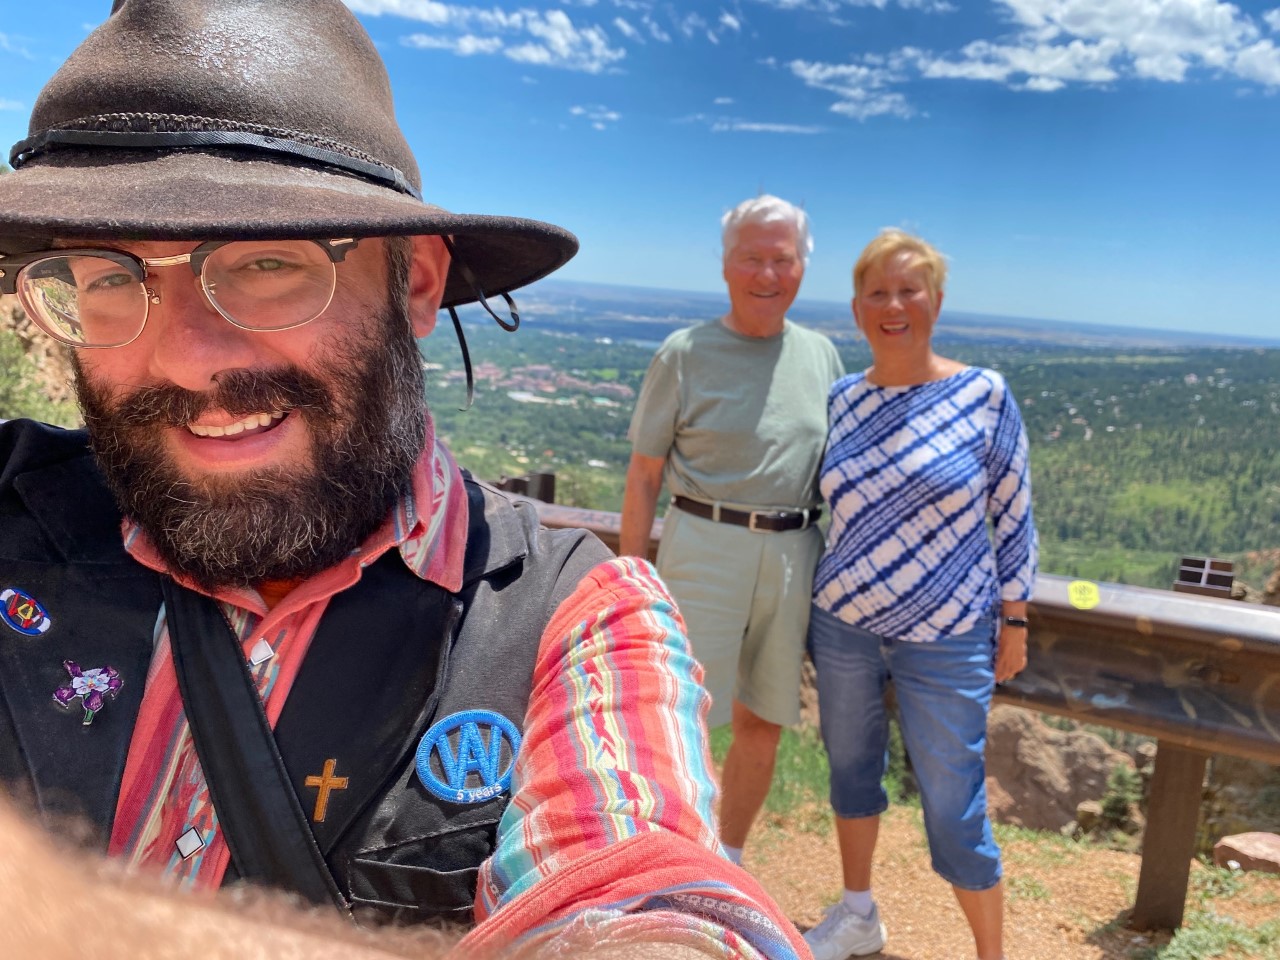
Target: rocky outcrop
point(1249, 851)
point(1271, 592)
point(1037, 777)
point(1241, 796)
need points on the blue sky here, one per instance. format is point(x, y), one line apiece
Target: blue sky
point(1105, 161)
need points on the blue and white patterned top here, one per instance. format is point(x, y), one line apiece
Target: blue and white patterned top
point(911, 475)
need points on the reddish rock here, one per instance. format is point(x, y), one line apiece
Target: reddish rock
point(1249, 851)
point(1037, 776)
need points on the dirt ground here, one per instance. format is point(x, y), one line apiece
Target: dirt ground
point(1064, 901)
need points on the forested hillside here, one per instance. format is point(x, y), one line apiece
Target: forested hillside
point(1137, 458)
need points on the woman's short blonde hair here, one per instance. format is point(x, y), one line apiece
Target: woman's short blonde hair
point(889, 243)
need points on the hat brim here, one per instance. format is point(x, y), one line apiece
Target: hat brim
point(210, 195)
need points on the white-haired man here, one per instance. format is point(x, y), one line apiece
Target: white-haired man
point(733, 414)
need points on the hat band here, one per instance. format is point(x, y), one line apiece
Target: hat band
point(24, 150)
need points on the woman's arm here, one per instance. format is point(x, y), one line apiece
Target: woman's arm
point(1013, 523)
point(1011, 654)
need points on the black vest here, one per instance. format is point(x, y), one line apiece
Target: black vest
point(393, 656)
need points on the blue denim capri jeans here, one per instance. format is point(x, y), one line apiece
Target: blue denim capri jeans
point(944, 691)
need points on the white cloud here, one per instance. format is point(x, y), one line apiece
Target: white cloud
point(563, 45)
point(1059, 42)
point(627, 30)
point(744, 126)
point(1032, 66)
point(861, 88)
point(548, 39)
point(464, 46)
point(656, 31)
point(723, 124)
point(730, 21)
point(832, 8)
point(11, 104)
point(598, 116)
point(11, 45)
point(722, 101)
point(1043, 84)
point(1259, 63)
point(428, 11)
point(691, 24)
point(1101, 41)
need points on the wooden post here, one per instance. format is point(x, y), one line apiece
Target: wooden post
point(1173, 811)
point(542, 486)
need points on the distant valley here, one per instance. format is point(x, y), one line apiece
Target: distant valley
point(1146, 445)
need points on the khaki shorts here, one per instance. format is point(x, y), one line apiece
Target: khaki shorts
point(745, 598)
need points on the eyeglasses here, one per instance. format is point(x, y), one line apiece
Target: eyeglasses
point(101, 298)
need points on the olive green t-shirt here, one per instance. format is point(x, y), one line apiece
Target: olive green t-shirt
point(741, 420)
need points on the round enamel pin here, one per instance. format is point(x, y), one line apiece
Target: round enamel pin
point(23, 613)
point(468, 757)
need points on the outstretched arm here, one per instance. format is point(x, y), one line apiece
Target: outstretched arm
point(610, 833)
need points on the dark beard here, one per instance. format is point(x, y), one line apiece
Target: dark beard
point(363, 406)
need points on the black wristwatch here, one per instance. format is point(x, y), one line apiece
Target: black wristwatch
point(1016, 621)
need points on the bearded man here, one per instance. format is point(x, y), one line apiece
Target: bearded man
point(257, 624)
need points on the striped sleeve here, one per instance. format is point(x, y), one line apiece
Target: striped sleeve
point(611, 823)
point(1009, 498)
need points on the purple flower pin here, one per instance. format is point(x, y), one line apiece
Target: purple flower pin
point(90, 686)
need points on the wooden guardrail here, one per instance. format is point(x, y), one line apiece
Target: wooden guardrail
point(1200, 674)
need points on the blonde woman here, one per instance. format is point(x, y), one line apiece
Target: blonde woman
point(922, 452)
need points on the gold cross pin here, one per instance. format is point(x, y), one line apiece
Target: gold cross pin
point(326, 782)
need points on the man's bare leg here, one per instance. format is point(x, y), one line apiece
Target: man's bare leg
point(748, 772)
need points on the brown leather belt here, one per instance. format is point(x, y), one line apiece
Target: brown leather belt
point(757, 521)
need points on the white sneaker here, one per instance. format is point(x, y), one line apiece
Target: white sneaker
point(843, 933)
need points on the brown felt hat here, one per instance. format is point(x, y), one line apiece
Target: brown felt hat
point(216, 119)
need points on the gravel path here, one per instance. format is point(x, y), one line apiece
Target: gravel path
point(1065, 901)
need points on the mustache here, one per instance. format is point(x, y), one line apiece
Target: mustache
point(237, 392)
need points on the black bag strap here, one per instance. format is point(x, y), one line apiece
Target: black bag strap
point(259, 812)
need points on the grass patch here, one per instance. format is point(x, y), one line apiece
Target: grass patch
point(1264, 898)
point(1036, 848)
point(1211, 882)
point(1204, 934)
point(1026, 888)
point(800, 776)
